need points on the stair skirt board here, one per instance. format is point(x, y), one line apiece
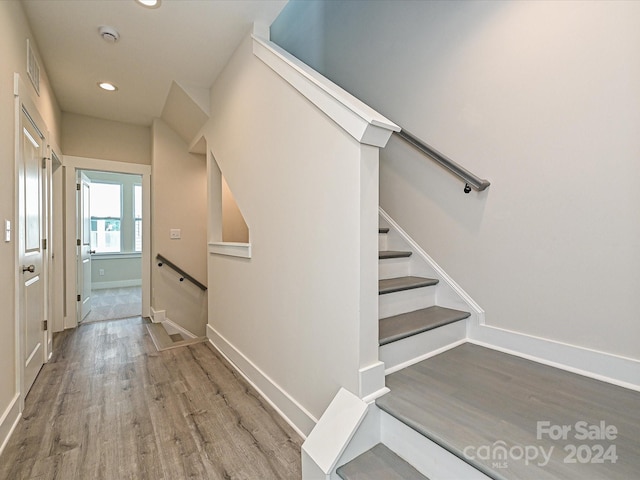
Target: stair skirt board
point(410, 350)
point(449, 292)
point(379, 463)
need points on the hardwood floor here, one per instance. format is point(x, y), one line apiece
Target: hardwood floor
point(109, 406)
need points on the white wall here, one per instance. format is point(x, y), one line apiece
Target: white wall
point(293, 309)
point(13, 47)
point(542, 99)
point(179, 201)
point(90, 137)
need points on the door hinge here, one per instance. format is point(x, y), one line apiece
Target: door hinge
point(78, 242)
point(78, 186)
point(44, 325)
point(44, 163)
point(44, 243)
point(78, 297)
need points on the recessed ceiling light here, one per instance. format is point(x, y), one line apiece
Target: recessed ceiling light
point(110, 87)
point(149, 3)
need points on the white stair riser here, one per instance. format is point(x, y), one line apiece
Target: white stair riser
point(427, 457)
point(415, 348)
point(383, 241)
point(393, 268)
point(405, 301)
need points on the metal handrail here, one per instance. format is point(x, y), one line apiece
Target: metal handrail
point(183, 274)
point(470, 179)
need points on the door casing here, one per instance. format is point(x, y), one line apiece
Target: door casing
point(71, 165)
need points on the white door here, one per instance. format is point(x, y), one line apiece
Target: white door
point(31, 291)
point(84, 246)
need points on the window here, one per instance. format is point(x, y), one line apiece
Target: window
point(137, 218)
point(115, 208)
point(106, 217)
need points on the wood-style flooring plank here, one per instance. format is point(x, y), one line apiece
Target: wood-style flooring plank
point(108, 406)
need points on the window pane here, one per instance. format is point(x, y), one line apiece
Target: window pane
point(137, 201)
point(137, 221)
point(138, 235)
point(105, 235)
point(106, 200)
point(105, 217)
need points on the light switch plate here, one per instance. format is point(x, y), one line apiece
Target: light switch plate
point(175, 234)
point(7, 230)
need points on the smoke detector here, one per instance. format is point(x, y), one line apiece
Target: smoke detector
point(109, 34)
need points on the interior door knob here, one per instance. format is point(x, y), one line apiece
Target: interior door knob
point(30, 269)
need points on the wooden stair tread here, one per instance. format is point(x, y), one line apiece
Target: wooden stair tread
point(471, 397)
point(386, 254)
point(405, 325)
point(391, 285)
point(379, 463)
point(383, 230)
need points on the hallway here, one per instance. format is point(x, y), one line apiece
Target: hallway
point(115, 303)
point(109, 406)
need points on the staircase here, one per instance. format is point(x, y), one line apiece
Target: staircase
point(416, 318)
point(457, 410)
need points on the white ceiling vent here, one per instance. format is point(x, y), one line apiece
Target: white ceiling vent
point(109, 34)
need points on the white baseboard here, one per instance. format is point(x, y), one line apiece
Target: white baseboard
point(617, 370)
point(9, 421)
point(116, 284)
point(300, 419)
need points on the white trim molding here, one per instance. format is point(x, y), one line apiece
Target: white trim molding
point(477, 313)
point(230, 249)
point(606, 367)
point(358, 119)
point(300, 419)
point(71, 164)
point(327, 442)
point(9, 421)
point(136, 282)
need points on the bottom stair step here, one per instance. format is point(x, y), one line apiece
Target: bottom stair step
point(406, 325)
point(471, 400)
point(379, 463)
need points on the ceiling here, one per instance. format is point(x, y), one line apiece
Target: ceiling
point(186, 41)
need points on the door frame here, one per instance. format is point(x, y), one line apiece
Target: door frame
point(71, 164)
point(22, 98)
